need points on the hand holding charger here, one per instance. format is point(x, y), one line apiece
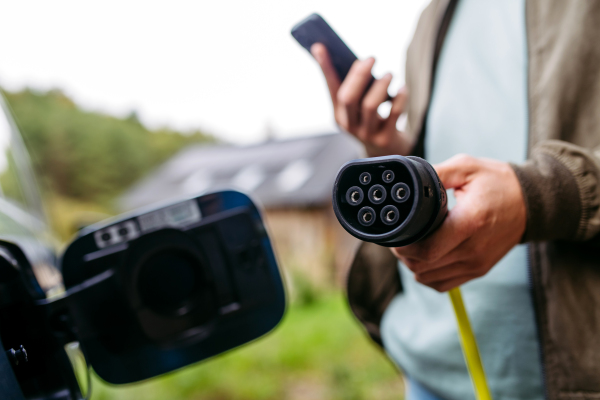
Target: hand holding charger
point(395, 201)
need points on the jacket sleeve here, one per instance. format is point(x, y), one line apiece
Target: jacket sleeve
point(560, 184)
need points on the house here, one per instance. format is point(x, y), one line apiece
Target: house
point(291, 179)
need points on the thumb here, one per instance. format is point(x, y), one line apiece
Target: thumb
point(456, 171)
point(320, 53)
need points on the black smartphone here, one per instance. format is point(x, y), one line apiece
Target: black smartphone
point(313, 29)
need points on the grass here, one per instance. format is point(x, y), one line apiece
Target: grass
point(317, 352)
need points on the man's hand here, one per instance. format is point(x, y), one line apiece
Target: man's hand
point(486, 223)
point(357, 114)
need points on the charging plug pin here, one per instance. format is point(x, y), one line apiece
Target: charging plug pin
point(401, 193)
point(366, 216)
point(388, 176)
point(390, 216)
point(354, 196)
point(364, 178)
point(377, 194)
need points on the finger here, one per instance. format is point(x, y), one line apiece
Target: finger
point(466, 250)
point(444, 286)
point(448, 272)
point(398, 104)
point(424, 267)
point(376, 95)
point(320, 53)
point(352, 89)
point(456, 171)
point(454, 231)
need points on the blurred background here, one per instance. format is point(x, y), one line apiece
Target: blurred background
point(125, 103)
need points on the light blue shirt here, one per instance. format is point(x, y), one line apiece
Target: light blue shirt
point(478, 107)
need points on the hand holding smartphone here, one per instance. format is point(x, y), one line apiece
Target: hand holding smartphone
point(356, 95)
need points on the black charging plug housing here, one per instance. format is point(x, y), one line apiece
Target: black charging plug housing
point(392, 201)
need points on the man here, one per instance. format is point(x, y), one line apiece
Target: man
point(515, 84)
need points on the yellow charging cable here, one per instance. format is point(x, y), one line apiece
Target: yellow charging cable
point(469, 347)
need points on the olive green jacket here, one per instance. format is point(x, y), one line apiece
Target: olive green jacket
point(560, 182)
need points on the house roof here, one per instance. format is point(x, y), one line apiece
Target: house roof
point(283, 173)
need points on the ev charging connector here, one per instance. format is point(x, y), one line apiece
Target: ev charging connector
point(394, 201)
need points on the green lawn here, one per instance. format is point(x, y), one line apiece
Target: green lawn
point(317, 352)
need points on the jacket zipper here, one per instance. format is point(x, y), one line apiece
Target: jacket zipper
point(530, 249)
point(536, 311)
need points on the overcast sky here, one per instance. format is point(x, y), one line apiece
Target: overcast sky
point(228, 67)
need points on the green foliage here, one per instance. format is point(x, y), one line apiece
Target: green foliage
point(317, 352)
point(89, 155)
point(8, 180)
point(305, 292)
